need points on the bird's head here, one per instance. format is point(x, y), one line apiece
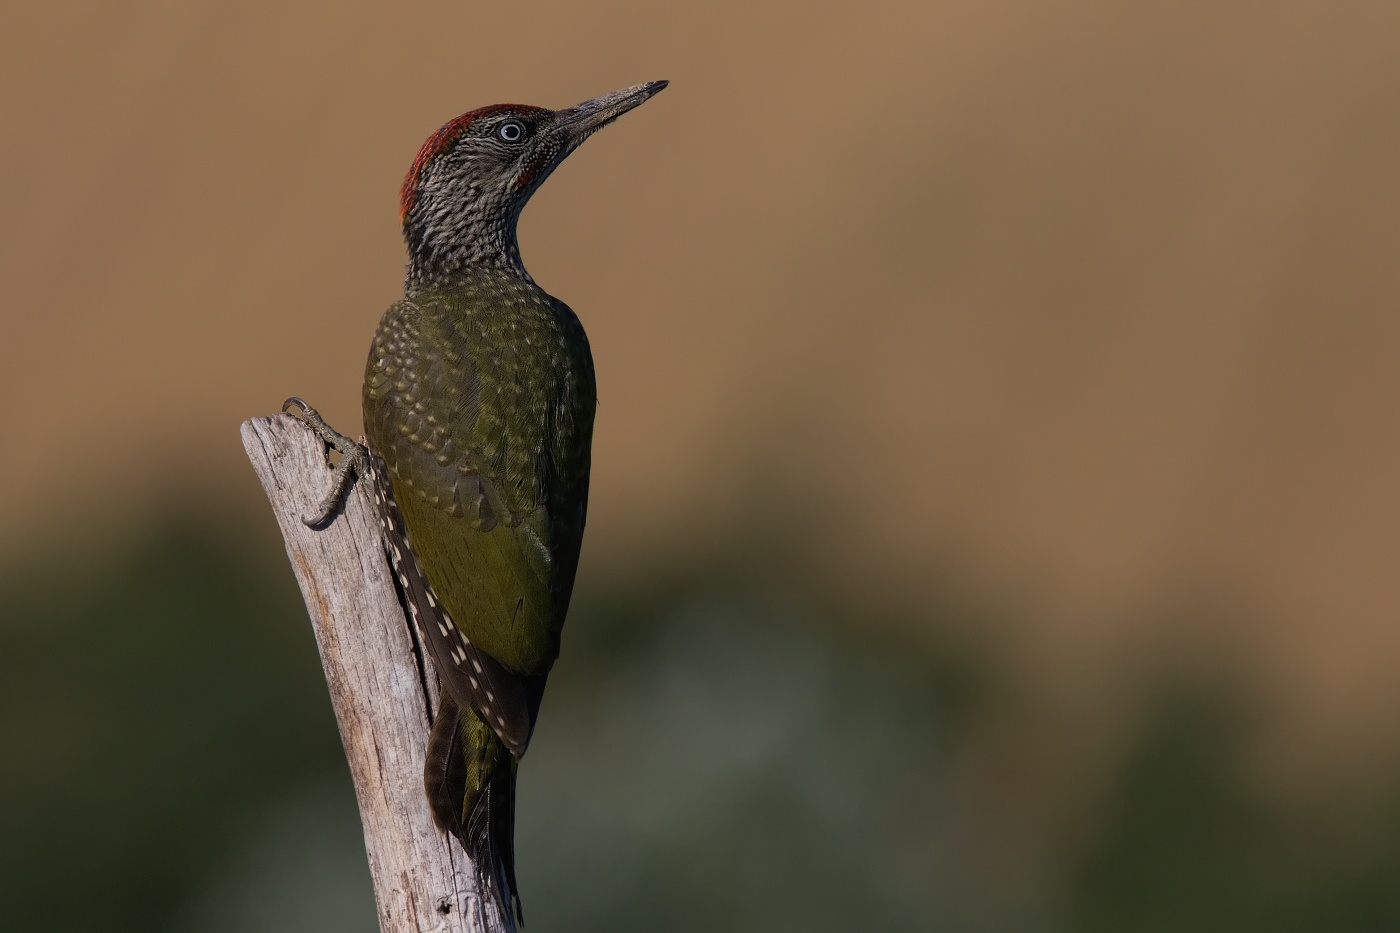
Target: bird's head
point(464, 193)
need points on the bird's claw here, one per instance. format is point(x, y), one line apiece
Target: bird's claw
point(354, 461)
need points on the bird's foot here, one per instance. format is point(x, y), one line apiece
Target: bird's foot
point(354, 460)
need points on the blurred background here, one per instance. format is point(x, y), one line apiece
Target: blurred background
point(995, 521)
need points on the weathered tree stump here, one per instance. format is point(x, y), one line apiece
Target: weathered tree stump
point(383, 688)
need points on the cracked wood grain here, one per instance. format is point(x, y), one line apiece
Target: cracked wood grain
point(382, 694)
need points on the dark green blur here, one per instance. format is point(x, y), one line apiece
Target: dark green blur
point(711, 756)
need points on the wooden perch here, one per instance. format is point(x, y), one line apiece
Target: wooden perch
point(383, 689)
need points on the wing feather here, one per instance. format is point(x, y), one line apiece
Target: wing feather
point(479, 411)
point(508, 702)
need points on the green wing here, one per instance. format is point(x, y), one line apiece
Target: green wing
point(479, 405)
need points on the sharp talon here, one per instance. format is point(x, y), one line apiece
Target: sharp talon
point(295, 402)
point(317, 522)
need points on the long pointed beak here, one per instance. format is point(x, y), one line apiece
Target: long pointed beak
point(579, 122)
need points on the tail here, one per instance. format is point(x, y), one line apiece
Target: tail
point(470, 779)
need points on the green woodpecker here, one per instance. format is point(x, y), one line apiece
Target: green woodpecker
point(478, 408)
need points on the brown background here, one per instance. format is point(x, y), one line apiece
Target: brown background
point(1081, 312)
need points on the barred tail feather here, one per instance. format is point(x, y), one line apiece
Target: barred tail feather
point(470, 779)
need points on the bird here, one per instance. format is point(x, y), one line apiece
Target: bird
point(479, 399)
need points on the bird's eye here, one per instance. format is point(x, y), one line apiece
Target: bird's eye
point(511, 131)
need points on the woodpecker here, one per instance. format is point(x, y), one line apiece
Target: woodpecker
point(479, 398)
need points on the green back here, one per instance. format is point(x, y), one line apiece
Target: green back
point(480, 400)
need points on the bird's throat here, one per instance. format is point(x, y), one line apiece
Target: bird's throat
point(458, 246)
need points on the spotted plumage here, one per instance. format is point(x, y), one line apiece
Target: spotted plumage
point(473, 678)
point(479, 400)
